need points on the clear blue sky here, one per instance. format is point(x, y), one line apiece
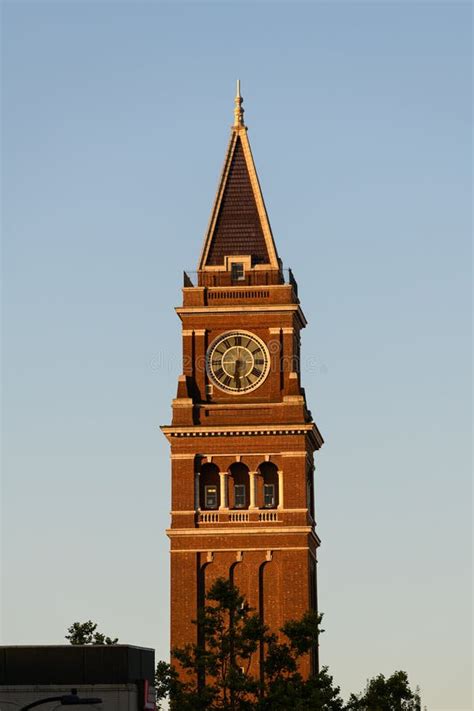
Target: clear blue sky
point(115, 123)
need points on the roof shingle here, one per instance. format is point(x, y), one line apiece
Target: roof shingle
point(238, 228)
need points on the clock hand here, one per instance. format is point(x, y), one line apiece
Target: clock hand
point(237, 372)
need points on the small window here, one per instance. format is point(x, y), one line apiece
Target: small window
point(237, 271)
point(269, 495)
point(210, 494)
point(239, 496)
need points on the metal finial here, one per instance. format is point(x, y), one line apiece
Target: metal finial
point(238, 111)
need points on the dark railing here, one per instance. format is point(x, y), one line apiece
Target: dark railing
point(259, 277)
point(293, 282)
point(187, 280)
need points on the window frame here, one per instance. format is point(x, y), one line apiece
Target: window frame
point(242, 493)
point(206, 494)
point(266, 487)
point(237, 271)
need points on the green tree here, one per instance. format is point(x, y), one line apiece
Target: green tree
point(317, 693)
point(86, 633)
point(284, 686)
point(218, 667)
point(391, 694)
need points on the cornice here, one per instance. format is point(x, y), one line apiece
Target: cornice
point(225, 531)
point(239, 405)
point(244, 549)
point(243, 455)
point(280, 511)
point(310, 429)
point(237, 287)
point(235, 308)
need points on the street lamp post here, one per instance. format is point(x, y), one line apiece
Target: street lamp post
point(71, 699)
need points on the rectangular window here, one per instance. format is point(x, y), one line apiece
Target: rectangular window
point(210, 495)
point(239, 496)
point(237, 271)
point(269, 495)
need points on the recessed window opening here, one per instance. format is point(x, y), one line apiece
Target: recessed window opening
point(269, 495)
point(237, 271)
point(210, 497)
point(209, 486)
point(239, 486)
point(239, 496)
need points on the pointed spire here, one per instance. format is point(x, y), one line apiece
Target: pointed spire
point(239, 222)
point(238, 111)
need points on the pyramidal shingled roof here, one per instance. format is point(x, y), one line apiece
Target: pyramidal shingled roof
point(239, 222)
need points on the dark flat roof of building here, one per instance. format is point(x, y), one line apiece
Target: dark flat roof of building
point(76, 664)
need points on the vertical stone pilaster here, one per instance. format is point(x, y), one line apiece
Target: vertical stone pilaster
point(275, 346)
point(223, 504)
point(287, 359)
point(280, 489)
point(252, 490)
point(188, 352)
point(200, 360)
point(197, 502)
point(259, 491)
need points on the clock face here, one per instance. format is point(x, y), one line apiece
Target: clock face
point(237, 362)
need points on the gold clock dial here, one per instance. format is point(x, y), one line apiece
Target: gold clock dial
point(237, 362)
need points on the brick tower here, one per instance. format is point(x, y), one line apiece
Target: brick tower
point(242, 439)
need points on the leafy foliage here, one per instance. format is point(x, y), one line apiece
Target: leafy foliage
point(381, 694)
point(86, 633)
point(218, 668)
point(293, 692)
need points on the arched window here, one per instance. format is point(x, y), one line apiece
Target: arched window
point(270, 495)
point(209, 487)
point(239, 494)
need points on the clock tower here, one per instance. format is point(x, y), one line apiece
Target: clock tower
point(242, 438)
